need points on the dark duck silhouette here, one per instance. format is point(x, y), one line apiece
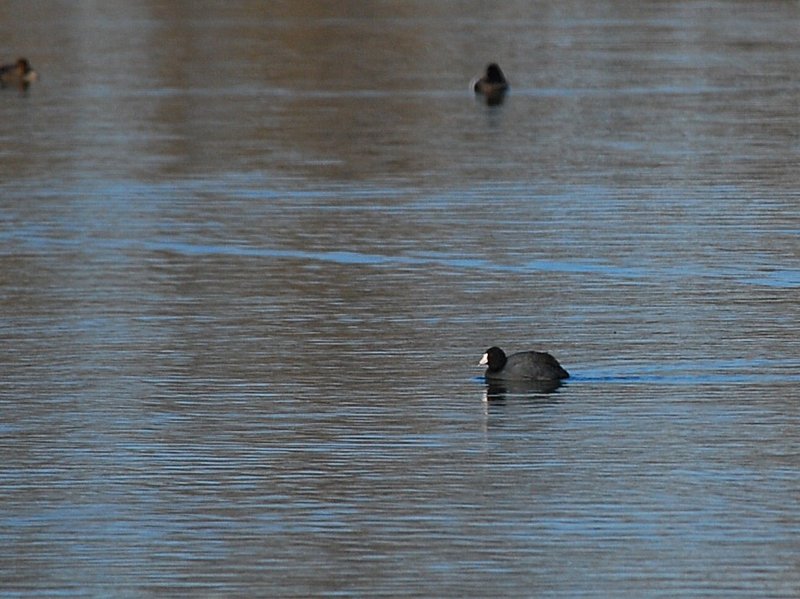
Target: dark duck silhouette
point(493, 85)
point(20, 73)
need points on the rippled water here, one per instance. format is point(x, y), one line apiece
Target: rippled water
point(251, 255)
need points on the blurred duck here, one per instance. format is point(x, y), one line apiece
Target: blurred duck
point(20, 73)
point(492, 85)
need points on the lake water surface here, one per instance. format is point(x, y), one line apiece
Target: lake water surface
point(251, 253)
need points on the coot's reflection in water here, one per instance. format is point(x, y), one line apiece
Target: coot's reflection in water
point(501, 390)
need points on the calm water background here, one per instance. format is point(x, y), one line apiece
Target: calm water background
point(251, 254)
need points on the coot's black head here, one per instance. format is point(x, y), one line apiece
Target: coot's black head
point(494, 359)
point(494, 74)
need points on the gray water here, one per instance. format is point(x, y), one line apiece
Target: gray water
point(252, 253)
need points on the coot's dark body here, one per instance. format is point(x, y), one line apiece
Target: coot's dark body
point(522, 366)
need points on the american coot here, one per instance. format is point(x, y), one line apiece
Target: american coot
point(19, 73)
point(526, 365)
